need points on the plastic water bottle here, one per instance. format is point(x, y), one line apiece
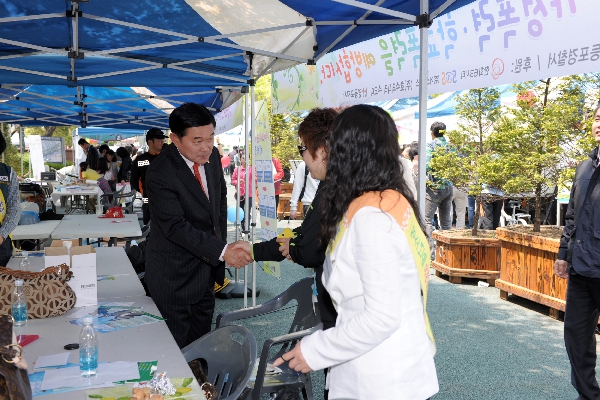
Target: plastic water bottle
point(88, 349)
point(19, 304)
point(25, 265)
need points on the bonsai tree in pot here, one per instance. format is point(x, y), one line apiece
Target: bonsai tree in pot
point(467, 164)
point(532, 141)
point(458, 255)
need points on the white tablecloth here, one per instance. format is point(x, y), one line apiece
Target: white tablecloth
point(42, 230)
point(90, 226)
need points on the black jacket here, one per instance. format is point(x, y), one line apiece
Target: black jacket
point(580, 241)
point(126, 165)
point(307, 251)
point(139, 169)
point(189, 232)
point(92, 157)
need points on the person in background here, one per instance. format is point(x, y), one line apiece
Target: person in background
point(124, 173)
point(91, 153)
point(438, 196)
point(103, 149)
point(460, 199)
point(188, 245)
point(87, 172)
point(381, 346)
point(113, 169)
point(155, 139)
point(232, 155)
point(579, 260)
point(10, 210)
point(239, 173)
point(413, 156)
point(406, 152)
point(277, 177)
point(105, 176)
point(407, 174)
point(305, 186)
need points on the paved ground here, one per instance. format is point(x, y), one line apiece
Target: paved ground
point(488, 348)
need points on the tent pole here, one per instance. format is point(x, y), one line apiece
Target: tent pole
point(423, 82)
point(252, 183)
point(21, 145)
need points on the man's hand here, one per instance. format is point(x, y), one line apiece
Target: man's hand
point(293, 214)
point(238, 254)
point(560, 269)
point(284, 247)
point(295, 360)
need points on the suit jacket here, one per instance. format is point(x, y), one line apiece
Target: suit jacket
point(189, 232)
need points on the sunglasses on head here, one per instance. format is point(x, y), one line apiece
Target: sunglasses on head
point(301, 149)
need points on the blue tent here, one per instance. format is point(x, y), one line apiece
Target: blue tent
point(179, 43)
point(122, 108)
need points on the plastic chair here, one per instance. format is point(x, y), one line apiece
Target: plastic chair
point(305, 322)
point(230, 353)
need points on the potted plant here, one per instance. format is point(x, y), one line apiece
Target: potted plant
point(533, 142)
point(471, 253)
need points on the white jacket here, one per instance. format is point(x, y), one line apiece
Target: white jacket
point(379, 348)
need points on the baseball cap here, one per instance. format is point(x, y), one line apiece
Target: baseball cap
point(155, 133)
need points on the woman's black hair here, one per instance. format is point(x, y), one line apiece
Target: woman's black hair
point(102, 166)
point(83, 165)
point(122, 152)
point(363, 157)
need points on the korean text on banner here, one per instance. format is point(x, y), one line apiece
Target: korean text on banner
point(263, 165)
point(485, 43)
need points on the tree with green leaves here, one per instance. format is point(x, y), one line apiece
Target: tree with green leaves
point(465, 164)
point(531, 140)
point(52, 131)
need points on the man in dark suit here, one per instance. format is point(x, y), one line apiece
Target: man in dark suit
point(185, 253)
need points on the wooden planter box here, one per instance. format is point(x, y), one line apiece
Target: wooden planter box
point(466, 257)
point(527, 269)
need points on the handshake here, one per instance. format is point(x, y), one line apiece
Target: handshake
point(238, 254)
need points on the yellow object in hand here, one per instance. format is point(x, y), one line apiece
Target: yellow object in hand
point(286, 233)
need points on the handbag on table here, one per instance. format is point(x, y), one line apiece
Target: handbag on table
point(48, 293)
point(14, 382)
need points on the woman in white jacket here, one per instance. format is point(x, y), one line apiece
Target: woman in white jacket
point(376, 270)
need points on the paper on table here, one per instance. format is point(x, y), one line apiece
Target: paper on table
point(107, 373)
point(91, 310)
point(52, 360)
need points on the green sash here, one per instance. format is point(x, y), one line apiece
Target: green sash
point(393, 203)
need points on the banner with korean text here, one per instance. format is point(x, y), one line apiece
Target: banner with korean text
point(230, 117)
point(263, 165)
point(486, 43)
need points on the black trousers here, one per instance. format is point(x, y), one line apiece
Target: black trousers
point(146, 213)
point(242, 206)
point(581, 319)
point(188, 322)
point(6, 249)
point(493, 210)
